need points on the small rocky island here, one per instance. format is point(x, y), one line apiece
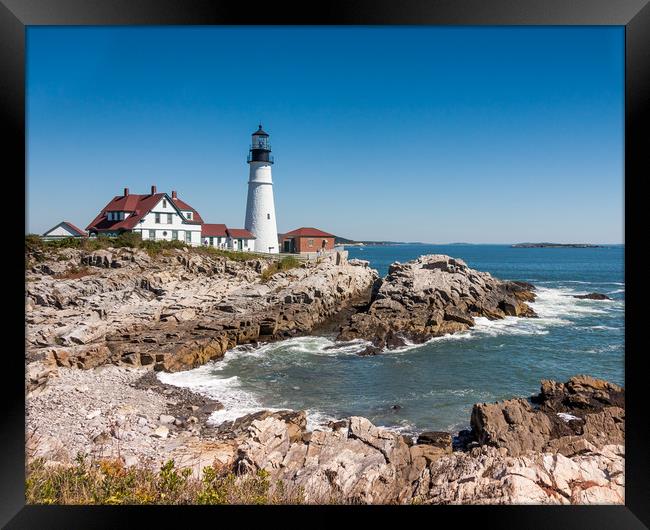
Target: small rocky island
point(556, 245)
point(101, 324)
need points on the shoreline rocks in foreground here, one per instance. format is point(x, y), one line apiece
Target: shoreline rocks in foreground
point(563, 446)
point(432, 296)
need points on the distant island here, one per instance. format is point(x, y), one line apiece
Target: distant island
point(555, 245)
point(351, 242)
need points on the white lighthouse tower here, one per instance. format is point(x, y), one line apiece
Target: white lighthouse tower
point(260, 208)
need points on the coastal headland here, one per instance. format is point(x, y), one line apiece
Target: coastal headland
point(101, 324)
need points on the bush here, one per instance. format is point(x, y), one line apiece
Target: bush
point(285, 264)
point(110, 482)
point(35, 244)
point(230, 254)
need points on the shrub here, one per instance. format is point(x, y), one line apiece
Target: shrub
point(285, 264)
point(229, 254)
point(110, 482)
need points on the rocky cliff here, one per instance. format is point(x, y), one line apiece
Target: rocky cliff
point(432, 296)
point(174, 311)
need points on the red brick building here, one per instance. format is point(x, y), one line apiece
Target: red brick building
point(304, 240)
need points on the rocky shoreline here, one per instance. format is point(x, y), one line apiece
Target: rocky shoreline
point(175, 311)
point(433, 296)
point(101, 324)
point(562, 446)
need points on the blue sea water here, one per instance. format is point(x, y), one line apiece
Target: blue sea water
point(435, 384)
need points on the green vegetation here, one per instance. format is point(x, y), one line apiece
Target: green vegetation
point(36, 248)
point(285, 264)
point(230, 254)
point(110, 482)
point(35, 245)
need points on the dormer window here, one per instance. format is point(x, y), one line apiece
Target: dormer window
point(115, 216)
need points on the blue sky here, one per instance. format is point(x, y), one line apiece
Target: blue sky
point(433, 134)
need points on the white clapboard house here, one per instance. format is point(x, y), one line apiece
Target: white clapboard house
point(159, 216)
point(155, 216)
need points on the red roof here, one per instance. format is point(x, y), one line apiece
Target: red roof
point(184, 206)
point(240, 233)
point(307, 232)
point(213, 230)
point(138, 206)
point(74, 228)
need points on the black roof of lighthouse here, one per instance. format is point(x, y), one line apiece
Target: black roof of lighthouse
point(260, 132)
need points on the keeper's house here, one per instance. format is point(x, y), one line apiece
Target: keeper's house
point(158, 216)
point(62, 230)
point(154, 216)
point(306, 240)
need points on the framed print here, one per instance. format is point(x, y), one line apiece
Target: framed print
point(368, 257)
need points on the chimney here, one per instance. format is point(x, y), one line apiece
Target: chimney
point(126, 192)
point(174, 195)
point(153, 190)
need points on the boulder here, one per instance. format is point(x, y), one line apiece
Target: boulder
point(592, 296)
point(441, 440)
point(561, 418)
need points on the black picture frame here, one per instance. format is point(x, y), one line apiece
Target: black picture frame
point(16, 15)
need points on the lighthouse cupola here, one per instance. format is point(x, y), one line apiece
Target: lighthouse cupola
point(260, 150)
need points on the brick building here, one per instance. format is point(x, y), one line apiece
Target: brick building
point(306, 240)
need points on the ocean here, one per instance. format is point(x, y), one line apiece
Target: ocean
point(433, 386)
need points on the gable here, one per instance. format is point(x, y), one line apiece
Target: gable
point(64, 229)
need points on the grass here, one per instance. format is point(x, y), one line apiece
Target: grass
point(110, 482)
point(285, 264)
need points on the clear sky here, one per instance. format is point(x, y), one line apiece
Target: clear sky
point(432, 134)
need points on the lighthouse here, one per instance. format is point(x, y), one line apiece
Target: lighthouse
point(260, 208)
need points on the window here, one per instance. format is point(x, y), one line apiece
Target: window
point(152, 234)
point(164, 203)
point(169, 219)
point(189, 215)
point(310, 242)
point(188, 236)
point(174, 235)
point(211, 241)
point(268, 215)
point(157, 218)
